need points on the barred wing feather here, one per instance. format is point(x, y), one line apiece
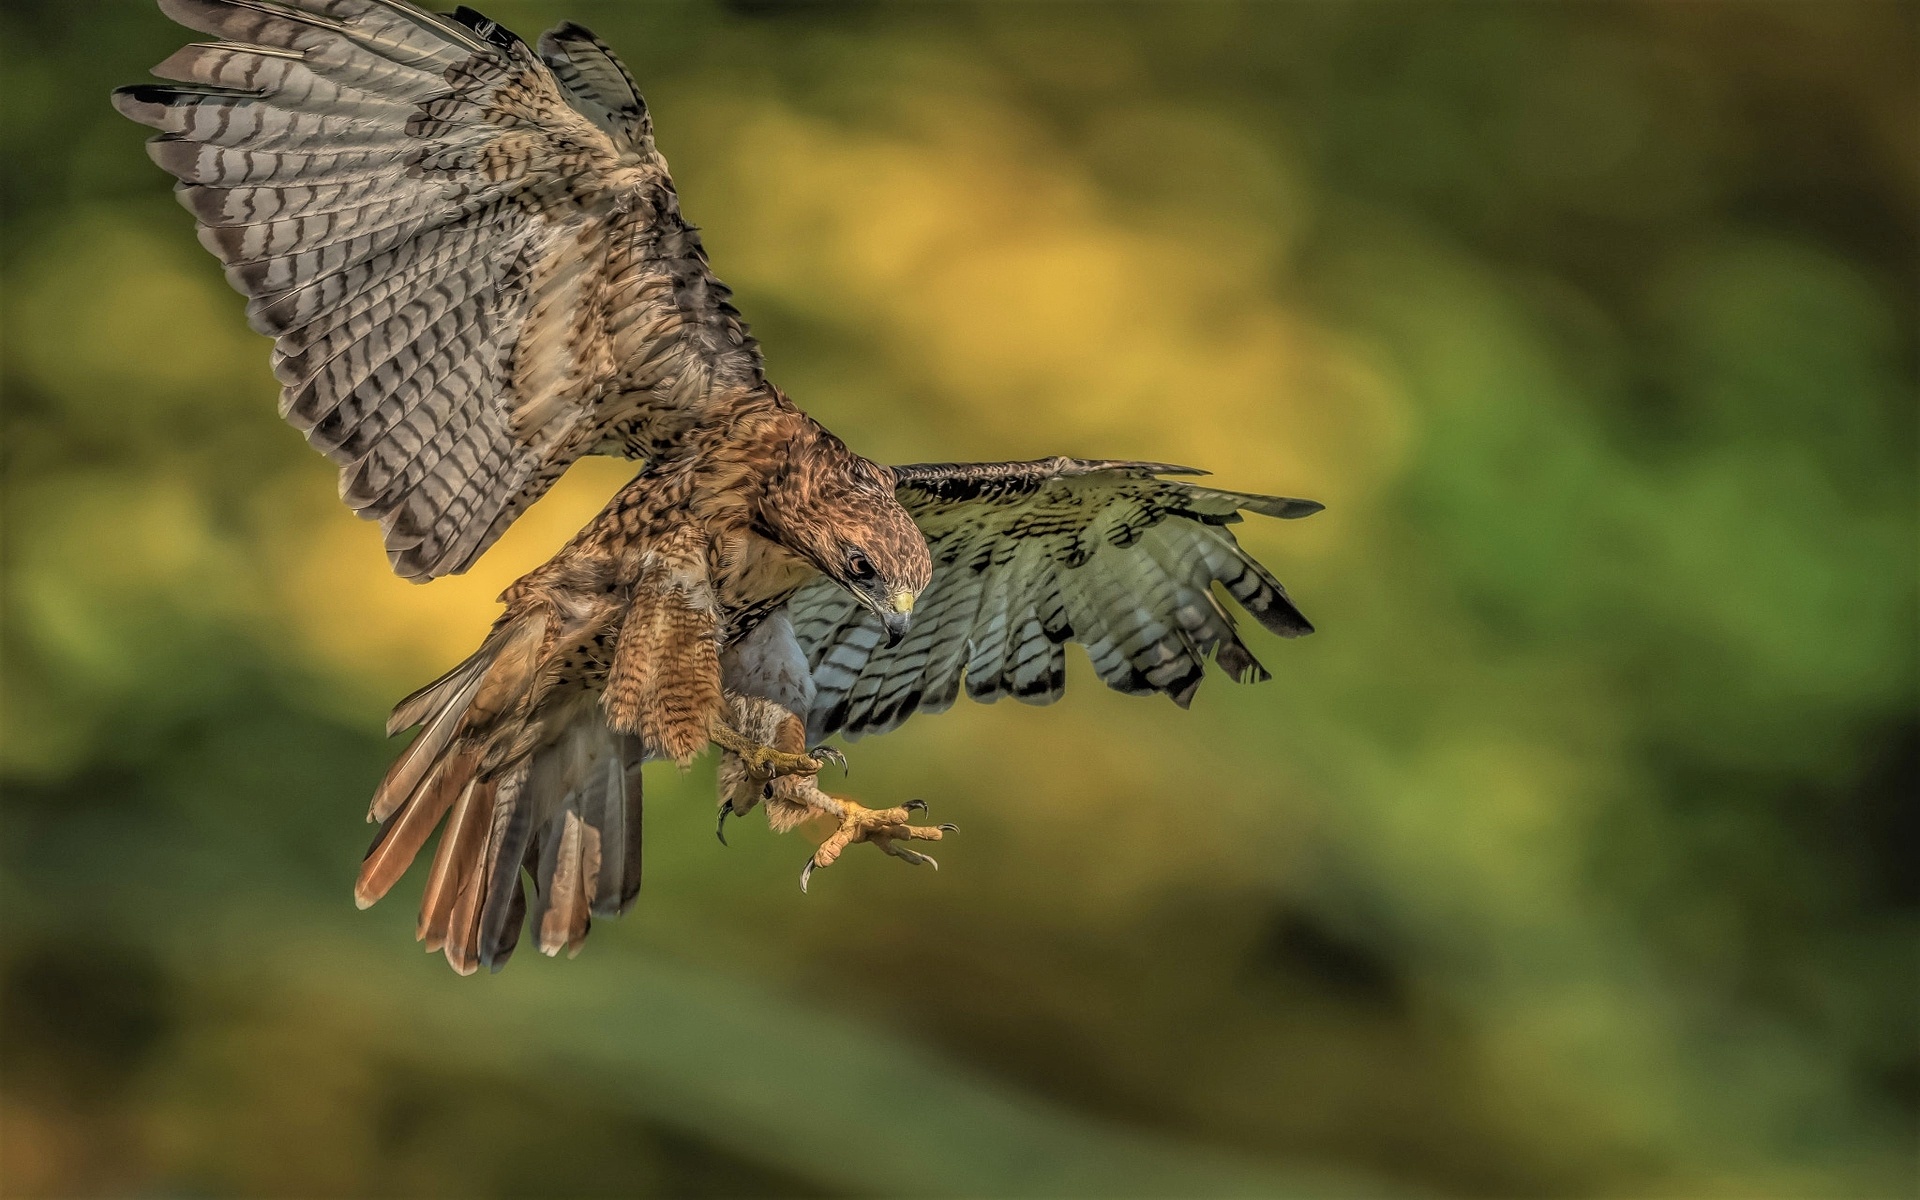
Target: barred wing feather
point(1030, 556)
point(470, 254)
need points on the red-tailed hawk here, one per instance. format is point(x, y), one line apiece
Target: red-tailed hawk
point(473, 264)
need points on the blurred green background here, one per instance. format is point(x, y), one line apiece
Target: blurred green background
point(1574, 856)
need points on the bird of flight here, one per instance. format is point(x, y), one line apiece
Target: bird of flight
point(473, 265)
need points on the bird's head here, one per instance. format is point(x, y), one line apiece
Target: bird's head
point(843, 516)
point(882, 559)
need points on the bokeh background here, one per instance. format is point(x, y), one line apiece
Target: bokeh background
point(1574, 856)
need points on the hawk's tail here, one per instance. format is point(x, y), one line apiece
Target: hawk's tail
point(524, 782)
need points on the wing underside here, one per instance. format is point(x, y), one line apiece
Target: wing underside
point(469, 253)
point(1031, 556)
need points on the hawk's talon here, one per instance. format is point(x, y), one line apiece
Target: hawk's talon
point(828, 754)
point(720, 828)
point(912, 857)
point(884, 827)
point(949, 827)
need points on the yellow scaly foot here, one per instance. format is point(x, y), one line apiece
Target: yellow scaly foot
point(884, 827)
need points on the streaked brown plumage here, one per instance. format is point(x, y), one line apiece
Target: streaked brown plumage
point(472, 260)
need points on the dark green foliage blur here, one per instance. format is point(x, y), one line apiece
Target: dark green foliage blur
point(1573, 856)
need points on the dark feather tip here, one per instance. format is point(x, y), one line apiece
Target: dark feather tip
point(146, 103)
point(485, 28)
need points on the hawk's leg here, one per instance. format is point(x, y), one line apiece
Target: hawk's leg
point(886, 828)
point(763, 755)
point(765, 763)
point(796, 797)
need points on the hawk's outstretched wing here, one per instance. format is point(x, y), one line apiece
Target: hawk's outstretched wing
point(469, 252)
point(1028, 556)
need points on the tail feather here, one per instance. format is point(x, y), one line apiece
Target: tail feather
point(617, 818)
point(456, 858)
point(568, 869)
point(528, 780)
point(585, 857)
point(405, 832)
point(503, 899)
point(412, 771)
point(461, 941)
point(466, 700)
point(434, 697)
point(489, 906)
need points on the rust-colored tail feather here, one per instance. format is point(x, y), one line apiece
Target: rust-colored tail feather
point(572, 876)
point(407, 830)
point(455, 865)
point(528, 779)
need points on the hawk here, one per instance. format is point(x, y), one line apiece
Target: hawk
point(472, 261)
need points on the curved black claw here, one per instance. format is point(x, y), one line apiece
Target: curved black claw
point(828, 754)
point(806, 873)
point(720, 828)
point(949, 827)
point(913, 804)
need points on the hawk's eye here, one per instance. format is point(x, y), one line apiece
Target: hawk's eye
point(858, 567)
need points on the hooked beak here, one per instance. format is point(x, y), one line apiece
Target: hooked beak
point(898, 618)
